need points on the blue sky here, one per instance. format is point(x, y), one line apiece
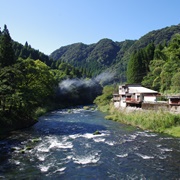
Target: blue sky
point(49, 24)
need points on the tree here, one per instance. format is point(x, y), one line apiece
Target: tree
point(7, 55)
point(176, 82)
point(36, 84)
point(164, 70)
point(148, 55)
point(172, 65)
point(158, 53)
point(8, 86)
point(153, 80)
point(136, 69)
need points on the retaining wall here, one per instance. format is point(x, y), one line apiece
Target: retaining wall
point(155, 106)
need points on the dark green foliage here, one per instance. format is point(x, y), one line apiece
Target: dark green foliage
point(95, 58)
point(161, 36)
point(27, 51)
point(63, 71)
point(175, 82)
point(164, 72)
point(106, 96)
point(138, 65)
point(27, 83)
point(24, 86)
point(106, 55)
point(7, 56)
point(136, 68)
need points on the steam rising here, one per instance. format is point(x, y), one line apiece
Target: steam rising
point(70, 84)
point(104, 77)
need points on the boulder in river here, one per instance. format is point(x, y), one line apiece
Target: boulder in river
point(96, 133)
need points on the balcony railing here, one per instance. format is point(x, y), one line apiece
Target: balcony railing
point(132, 100)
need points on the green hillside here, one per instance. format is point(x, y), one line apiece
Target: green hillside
point(107, 55)
point(93, 58)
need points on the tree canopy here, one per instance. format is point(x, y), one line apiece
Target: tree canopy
point(165, 67)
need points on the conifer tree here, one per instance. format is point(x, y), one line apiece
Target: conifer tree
point(7, 55)
point(136, 68)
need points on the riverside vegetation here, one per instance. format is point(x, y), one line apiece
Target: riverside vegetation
point(157, 121)
point(32, 83)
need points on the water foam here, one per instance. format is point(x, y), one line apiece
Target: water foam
point(54, 143)
point(60, 169)
point(99, 139)
point(41, 157)
point(62, 145)
point(166, 149)
point(44, 168)
point(42, 148)
point(110, 143)
point(122, 155)
point(131, 138)
point(144, 156)
point(74, 136)
point(86, 159)
point(90, 136)
point(16, 162)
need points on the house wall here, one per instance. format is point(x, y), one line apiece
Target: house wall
point(149, 98)
point(136, 93)
point(122, 90)
point(123, 101)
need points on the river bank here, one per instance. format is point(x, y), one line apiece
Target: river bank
point(156, 121)
point(19, 123)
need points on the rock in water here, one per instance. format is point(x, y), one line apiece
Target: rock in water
point(96, 133)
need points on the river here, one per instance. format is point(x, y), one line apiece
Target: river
point(62, 146)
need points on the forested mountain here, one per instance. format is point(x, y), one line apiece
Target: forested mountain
point(163, 72)
point(106, 55)
point(26, 51)
point(93, 58)
point(161, 36)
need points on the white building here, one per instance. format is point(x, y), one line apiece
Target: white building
point(133, 95)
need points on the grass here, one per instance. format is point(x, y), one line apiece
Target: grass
point(173, 131)
point(104, 108)
point(156, 121)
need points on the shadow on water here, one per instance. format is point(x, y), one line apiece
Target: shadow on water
point(13, 142)
point(49, 127)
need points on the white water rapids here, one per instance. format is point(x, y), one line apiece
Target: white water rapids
point(67, 149)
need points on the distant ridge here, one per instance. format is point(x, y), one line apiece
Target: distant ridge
point(107, 55)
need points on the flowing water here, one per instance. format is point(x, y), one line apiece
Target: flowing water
point(62, 146)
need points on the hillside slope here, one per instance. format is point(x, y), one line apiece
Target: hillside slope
point(107, 55)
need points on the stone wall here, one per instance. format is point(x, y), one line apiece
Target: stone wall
point(155, 106)
point(175, 109)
